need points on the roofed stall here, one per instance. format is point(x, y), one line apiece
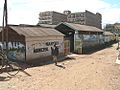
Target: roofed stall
point(81, 36)
point(109, 37)
point(16, 44)
point(29, 43)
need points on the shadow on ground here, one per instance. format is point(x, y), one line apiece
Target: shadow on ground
point(23, 66)
point(92, 50)
point(46, 62)
point(3, 78)
point(61, 66)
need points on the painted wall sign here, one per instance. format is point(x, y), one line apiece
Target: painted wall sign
point(42, 47)
point(90, 37)
point(40, 50)
point(51, 43)
point(16, 51)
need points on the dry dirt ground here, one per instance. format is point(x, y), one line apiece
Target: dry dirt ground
point(96, 71)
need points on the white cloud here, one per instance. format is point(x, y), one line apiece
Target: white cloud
point(26, 11)
point(111, 15)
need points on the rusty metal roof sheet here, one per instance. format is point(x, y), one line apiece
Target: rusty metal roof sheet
point(83, 28)
point(35, 31)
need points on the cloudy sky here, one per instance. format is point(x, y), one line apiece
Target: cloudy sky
point(27, 11)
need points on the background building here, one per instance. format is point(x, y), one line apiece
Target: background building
point(117, 28)
point(51, 17)
point(82, 38)
point(114, 28)
point(67, 12)
point(86, 18)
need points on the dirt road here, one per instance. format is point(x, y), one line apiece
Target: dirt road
point(96, 71)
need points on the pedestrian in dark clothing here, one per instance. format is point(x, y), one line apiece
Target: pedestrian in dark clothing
point(55, 53)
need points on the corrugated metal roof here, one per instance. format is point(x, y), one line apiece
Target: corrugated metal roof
point(47, 25)
point(108, 33)
point(84, 28)
point(36, 31)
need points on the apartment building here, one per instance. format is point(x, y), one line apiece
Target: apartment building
point(86, 18)
point(51, 17)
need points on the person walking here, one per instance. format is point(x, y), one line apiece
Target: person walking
point(55, 53)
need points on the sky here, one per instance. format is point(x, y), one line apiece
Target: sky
point(27, 11)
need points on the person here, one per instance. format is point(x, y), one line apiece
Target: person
point(55, 53)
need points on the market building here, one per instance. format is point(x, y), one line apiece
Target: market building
point(109, 38)
point(81, 37)
point(29, 43)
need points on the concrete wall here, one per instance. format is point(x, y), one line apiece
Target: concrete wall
point(52, 17)
point(58, 17)
point(40, 47)
point(93, 19)
point(92, 40)
point(108, 38)
point(16, 50)
point(86, 40)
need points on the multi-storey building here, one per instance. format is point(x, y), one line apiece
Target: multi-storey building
point(51, 17)
point(86, 18)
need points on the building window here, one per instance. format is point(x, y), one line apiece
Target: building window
point(72, 15)
point(82, 14)
point(81, 19)
point(78, 15)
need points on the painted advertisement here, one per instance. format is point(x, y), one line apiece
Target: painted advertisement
point(39, 49)
point(92, 37)
point(16, 50)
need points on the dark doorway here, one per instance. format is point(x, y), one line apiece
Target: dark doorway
point(69, 34)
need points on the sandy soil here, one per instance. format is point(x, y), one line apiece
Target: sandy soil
point(96, 71)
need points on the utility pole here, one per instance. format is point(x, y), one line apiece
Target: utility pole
point(5, 25)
